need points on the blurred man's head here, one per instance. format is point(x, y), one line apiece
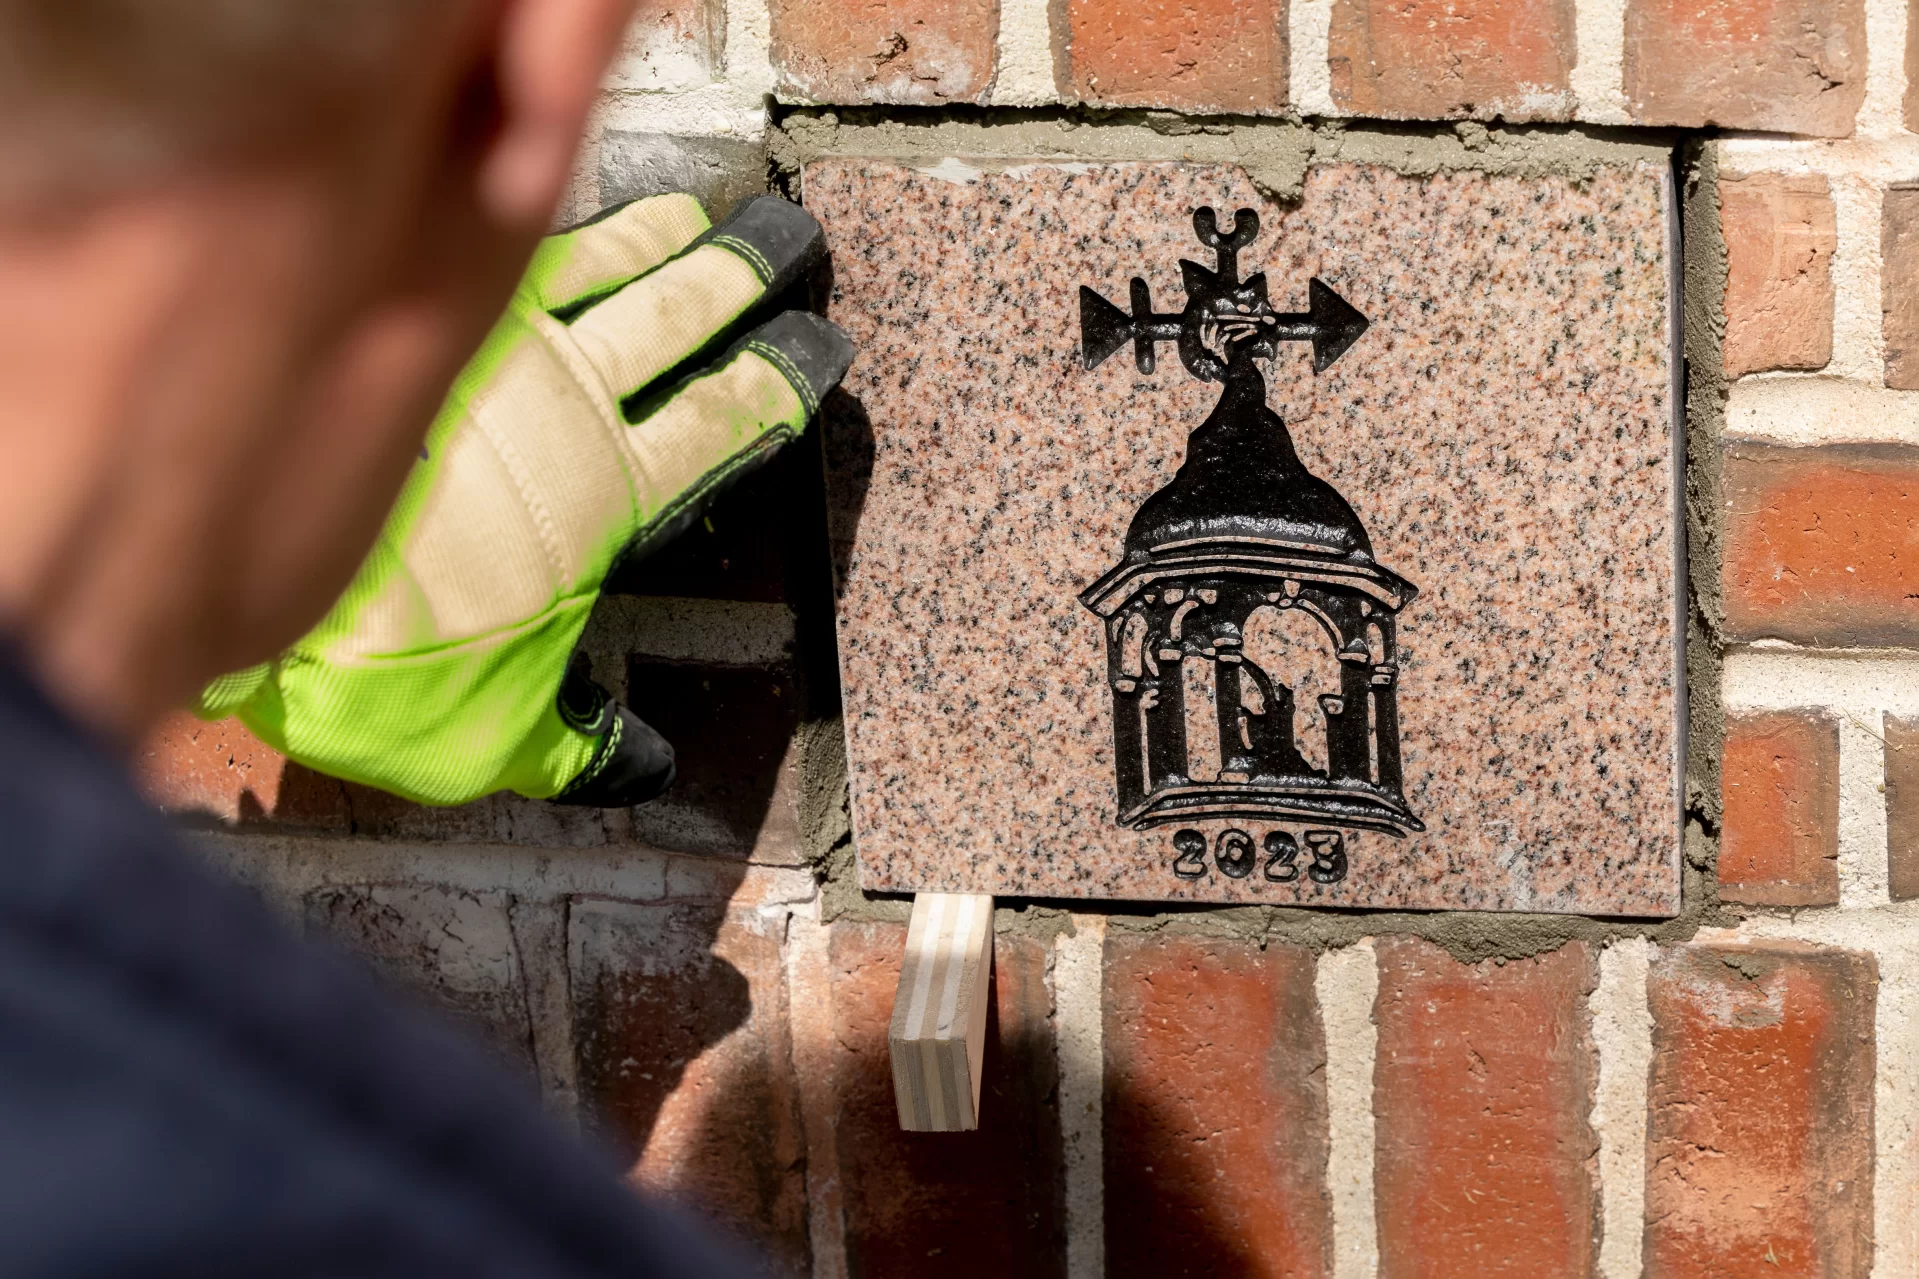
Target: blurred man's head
point(244, 246)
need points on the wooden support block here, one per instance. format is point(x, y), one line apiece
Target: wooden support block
point(938, 1034)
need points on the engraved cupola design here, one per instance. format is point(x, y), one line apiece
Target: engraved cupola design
point(1250, 633)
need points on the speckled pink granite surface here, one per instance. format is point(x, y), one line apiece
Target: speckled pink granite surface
point(1503, 430)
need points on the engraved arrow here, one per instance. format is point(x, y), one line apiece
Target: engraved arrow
point(1104, 328)
point(1330, 323)
point(1218, 299)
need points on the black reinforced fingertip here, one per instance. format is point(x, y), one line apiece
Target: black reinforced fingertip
point(780, 240)
point(814, 353)
point(634, 765)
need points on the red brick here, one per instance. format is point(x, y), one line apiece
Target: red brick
point(190, 766)
point(1899, 284)
point(1188, 55)
point(913, 52)
point(681, 1039)
point(988, 1202)
point(1759, 1126)
point(1780, 235)
point(1215, 1110)
point(1789, 66)
point(1442, 59)
point(1779, 844)
point(453, 948)
point(1902, 805)
point(1482, 1086)
point(1822, 544)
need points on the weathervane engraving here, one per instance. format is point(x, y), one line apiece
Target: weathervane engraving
point(1248, 583)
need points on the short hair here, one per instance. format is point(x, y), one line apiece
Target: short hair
point(96, 91)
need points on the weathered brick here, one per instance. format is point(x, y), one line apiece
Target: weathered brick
point(191, 767)
point(1759, 1126)
point(493, 819)
point(988, 1202)
point(671, 44)
point(1441, 59)
point(1899, 284)
point(1188, 55)
point(1789, 66)
point(1482, 1086)
point(718, 172)
point(680, 1034)
point(1902, 805)
point(910, 52)
point(454, 948)
point(1215, 1109)
point(1780, 234)
point(1779, 843)
point(1822, 544)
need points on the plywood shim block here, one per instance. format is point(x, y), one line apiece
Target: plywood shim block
point(938, 1033)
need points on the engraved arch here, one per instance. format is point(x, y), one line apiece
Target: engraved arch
point(1132, 646)
point(1293, 648)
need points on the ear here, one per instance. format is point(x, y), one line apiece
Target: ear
point(551, 56)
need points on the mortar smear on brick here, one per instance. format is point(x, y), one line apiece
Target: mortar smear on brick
point(1781, 231)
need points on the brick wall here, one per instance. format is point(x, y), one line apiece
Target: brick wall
point(1733, 1092)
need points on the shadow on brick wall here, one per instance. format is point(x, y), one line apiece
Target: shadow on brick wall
point(731, 728)
point(666, 1021)
point(449, 949)
point(681, 1036)
point(681, 1039)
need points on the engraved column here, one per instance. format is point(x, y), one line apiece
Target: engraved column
point(1385, 678)
point(1166, 722)
point(1347, 754)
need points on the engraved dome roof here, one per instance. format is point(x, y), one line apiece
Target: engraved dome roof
point(1243, 482)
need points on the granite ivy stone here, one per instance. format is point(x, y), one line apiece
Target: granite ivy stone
point(1207, 625)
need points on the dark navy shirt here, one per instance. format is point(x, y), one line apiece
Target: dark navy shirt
point(186, 1088)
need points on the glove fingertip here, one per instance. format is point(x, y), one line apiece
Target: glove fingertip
point(812, 351)
point(780, 240)
point(633, 766)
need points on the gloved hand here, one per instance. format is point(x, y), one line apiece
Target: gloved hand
point(599, 416)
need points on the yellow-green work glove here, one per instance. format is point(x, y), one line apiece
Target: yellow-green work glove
point(609, 403)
